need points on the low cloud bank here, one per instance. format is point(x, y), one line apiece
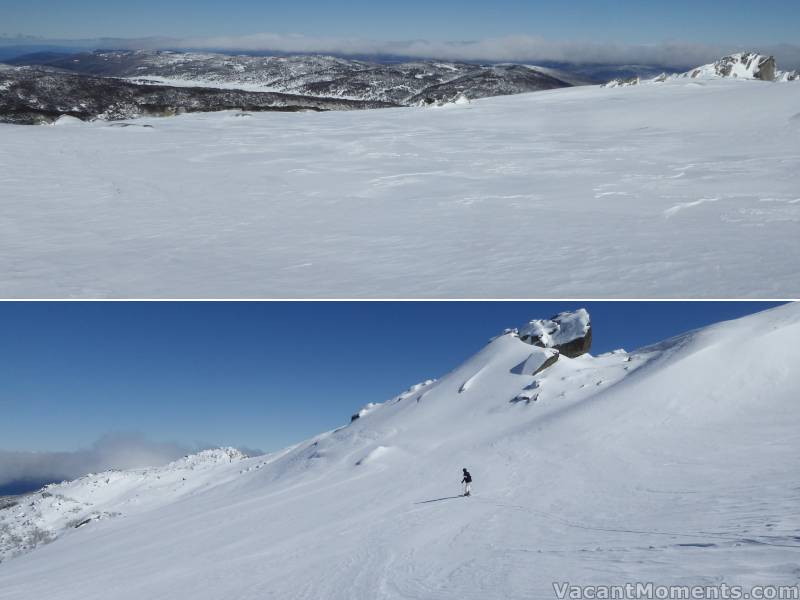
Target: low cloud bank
point(516, 48)
point(118, 451)
point(520, 48)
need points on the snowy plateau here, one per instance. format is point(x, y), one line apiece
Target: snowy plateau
point(674, 464)
point(686, 187)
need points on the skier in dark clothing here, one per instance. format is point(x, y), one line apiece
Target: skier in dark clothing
point(467, 481)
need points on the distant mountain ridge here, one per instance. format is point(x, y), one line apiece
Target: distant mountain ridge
point(33, 95)
point(405, 83)
point(115, 85)
point(121, 84)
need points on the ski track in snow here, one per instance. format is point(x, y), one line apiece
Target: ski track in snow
point(552, 194)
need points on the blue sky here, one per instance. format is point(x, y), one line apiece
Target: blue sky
point(589, 20)
point(261, 375)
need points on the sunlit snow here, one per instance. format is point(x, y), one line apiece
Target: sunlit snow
point(674, 464)
point(680, 189)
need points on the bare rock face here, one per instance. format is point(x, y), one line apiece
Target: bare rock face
point(766, 68)
point(538, 361)
point(568, 332)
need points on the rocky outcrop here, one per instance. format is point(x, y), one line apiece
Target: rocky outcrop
point(622, 82)
point(746, 65)
point(364, 411)
point(568, 332)
point(537, 362)
point(743, 65)
point(547, 363)
point(529, 394)
point(767, 69)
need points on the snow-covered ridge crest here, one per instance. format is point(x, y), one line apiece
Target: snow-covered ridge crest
point(568, 333)
point(742, 65)
point(34, 519)
point(213, 456)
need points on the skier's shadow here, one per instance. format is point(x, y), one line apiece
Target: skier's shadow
point(439, 499)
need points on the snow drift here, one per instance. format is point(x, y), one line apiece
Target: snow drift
point(675, 464)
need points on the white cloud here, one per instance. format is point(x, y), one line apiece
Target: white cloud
point(117, 451)
point(519, 48)
point(516, 48)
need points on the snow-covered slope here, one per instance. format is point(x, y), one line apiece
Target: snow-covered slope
point(39, 518)
point(674, 464)
point(683, 189)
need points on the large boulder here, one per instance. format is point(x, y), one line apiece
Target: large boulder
point(568, 332)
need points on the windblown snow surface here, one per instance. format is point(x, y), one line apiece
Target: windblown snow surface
point(684, 189)
point(674, 464)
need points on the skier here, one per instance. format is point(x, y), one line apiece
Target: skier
point(467, 481)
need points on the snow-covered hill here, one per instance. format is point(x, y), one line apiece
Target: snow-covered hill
point(39, 95)
point(682, 189)
point(33, 519)
point(747, 65)
point(674, 464)
point(406, 83)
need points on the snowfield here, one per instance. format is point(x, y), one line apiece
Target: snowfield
point(673, 464)
point(686, 188)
